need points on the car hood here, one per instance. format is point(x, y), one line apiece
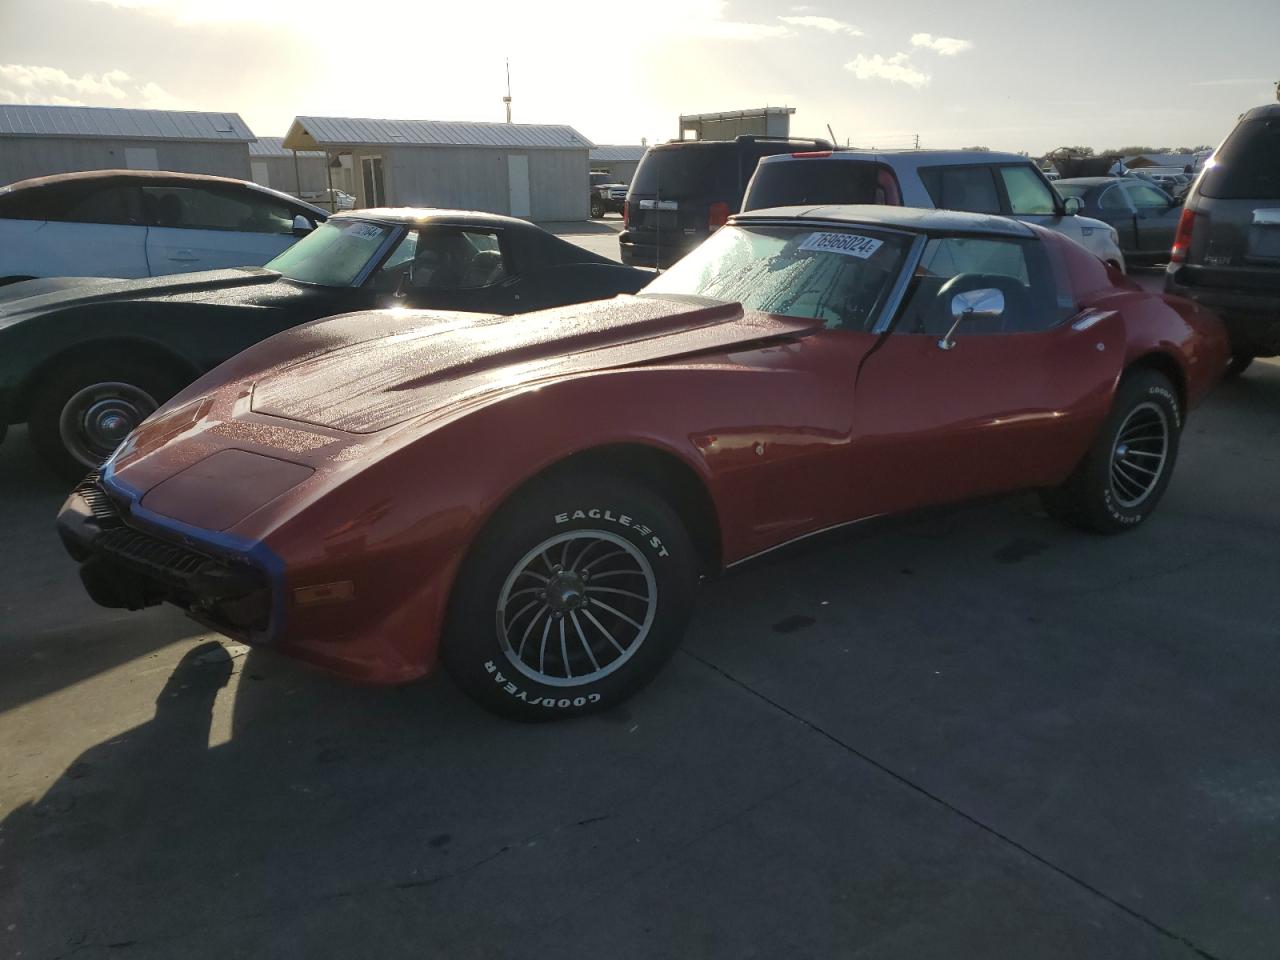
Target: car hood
point(433, 363)
point(247, 285)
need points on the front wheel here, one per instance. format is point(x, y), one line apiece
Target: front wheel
point(1126, 471)
point(81, 412)
point(571, 600)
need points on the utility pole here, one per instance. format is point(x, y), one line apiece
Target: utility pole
point(507, 98)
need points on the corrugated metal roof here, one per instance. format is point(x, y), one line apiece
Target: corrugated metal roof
point(274, 147)
point(21, 120)
point(353, 131)
point(617, 153)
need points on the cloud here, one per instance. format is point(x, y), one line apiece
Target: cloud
point(895, 69)
point(31, 84)
point(828, 24)
point(947, 46)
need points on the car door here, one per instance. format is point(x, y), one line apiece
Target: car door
point(1155, 217)
point(1003, 405)
point(1113, 207)
point(196, 227)
point(93, 230)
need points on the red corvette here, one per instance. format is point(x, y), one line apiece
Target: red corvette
point(534, 499)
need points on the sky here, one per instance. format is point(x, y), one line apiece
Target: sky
point(1006, 74)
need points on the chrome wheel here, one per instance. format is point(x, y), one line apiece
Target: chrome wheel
point(576, 607)
point(1139, 454)
point(97, 419)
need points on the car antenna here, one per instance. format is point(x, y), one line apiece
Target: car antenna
point(832, 133)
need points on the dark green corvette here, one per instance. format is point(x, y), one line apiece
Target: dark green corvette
point(83, 362)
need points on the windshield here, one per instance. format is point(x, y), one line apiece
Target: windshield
point(694, 171)
point(1077, 190)
point(333, 254)
point(785, 183)
point(841, 276)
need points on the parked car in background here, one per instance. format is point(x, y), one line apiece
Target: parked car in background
point(1143, 215)
point(331, 199)
point(965, 180)
point(142, 223)
point(608, 195)
point(683, 191)
point(82, 366)
point(534, 500)
point(1226, 254)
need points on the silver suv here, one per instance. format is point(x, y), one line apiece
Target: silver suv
point(1005, 184)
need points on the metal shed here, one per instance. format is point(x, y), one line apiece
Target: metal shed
point(617, 160)
point(531, 170)
point(727, 124)
point(36, 141)
point(303, 174)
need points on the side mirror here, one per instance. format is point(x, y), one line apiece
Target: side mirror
point(1072, 206)
point(302, 226)
point(1178, 200)
point(986, 304)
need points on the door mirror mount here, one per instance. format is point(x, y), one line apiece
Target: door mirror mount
point(985, 304)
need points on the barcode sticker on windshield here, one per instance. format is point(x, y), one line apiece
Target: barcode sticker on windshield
point(365, 231)
point(850, 244)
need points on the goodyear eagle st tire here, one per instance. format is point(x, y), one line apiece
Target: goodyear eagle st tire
point(571, 599)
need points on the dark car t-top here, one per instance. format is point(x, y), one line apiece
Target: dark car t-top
point(1227, 251)
point(685, 190)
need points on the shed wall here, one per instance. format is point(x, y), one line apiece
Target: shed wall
point(476, 178)
point(24, 157)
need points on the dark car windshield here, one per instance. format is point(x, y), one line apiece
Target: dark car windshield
point(334, 254)
point(841, 276)
point(815, 181)
point(1247, 166)
point(1077, 190)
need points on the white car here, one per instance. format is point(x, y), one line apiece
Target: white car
point(1005, 184)
point(333, 198)
point(133, 223)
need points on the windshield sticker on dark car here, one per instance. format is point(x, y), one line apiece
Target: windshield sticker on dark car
point(849, 244)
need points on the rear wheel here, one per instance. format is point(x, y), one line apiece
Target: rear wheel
point(1126, 471)
point(82, 411)
point(1239, 363)
point(571, 600)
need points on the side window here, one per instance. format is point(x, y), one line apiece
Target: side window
point(1028, 193)
point(443, 258)
point(198, 208)
point(1113, 199)
point(114, 205)
point(962, 188)
point(448, 258)
point(951, 265)
point(389, 275)
point(1146, 197)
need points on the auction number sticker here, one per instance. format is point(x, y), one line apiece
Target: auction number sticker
point(848, 244)
point(365, 231)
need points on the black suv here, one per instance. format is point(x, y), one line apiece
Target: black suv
point(683, 191)
point(1226, 254)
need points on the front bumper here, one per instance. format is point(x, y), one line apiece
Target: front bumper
point(125, 566)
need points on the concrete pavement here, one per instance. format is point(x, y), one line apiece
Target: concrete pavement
point(979, 735)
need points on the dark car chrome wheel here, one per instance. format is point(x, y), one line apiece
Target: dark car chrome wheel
point(97, 418)
point(571, 599)
point(1139, 454)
